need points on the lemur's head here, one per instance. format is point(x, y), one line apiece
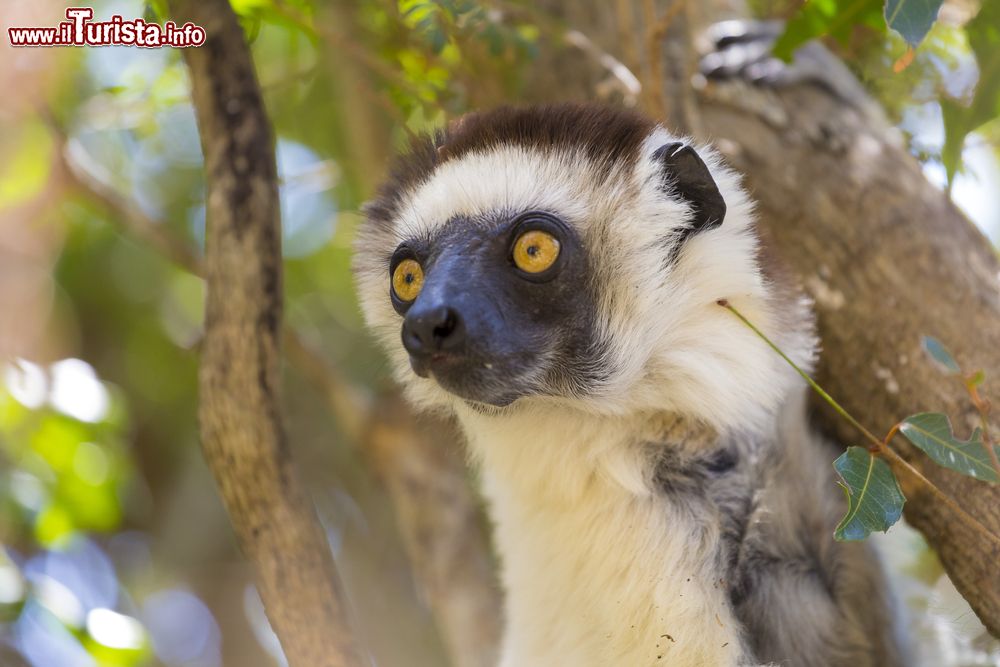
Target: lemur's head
point(568, 254)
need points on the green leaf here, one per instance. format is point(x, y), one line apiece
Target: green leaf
point(931, 432)
point(156, 11)
point(912, 18)
point(939, 353)
point(874, 500)
point(817, 18)
point(248, 7)
point(983, 33)
point(116, 640)
point(956, 127)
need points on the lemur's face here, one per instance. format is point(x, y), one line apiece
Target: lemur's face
point(551, 253)
point(496, 306)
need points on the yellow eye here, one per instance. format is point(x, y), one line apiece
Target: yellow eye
point(535, 251)
point(407, 279)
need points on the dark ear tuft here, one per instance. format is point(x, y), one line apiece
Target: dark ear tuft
point(688, 176)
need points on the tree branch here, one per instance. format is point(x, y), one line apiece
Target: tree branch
point(243, 436)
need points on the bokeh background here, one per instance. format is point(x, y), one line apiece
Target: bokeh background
point(114, 548)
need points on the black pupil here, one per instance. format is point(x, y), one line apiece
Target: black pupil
point(408, 278)
point(532, 250)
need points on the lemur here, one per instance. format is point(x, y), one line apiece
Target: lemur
point(551, 276)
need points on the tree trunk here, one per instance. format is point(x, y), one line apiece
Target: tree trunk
point(242, 433)
point(886, 256)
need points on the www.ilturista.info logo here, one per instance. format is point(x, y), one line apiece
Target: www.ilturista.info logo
point(79, 30)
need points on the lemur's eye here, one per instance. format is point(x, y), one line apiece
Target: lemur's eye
point(535, 251)
point(407, 279)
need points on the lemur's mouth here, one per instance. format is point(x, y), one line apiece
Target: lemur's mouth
point(436, 363)
point(475, 381)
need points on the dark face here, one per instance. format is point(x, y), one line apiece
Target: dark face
point(496, 310)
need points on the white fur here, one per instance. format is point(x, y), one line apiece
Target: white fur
point(597, 572)
point(597, 569)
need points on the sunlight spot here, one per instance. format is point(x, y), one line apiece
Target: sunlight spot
point(77, 392)
point(27, 489)
point(12, 586)
point(115, 630)
point(26, 383)
point(308, 209)
point(182, 629)
point(59, 600)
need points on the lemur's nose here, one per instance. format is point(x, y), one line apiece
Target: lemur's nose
point(431, 329)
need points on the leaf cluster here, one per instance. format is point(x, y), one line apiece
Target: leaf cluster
point(923, 54)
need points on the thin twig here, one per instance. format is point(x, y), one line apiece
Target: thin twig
point(887, 452)
point(350, 406)
point(880, 446)
point(983, 408)
point(626, 32)
point(805, 376)
point(688, 65)
point(659, 30)
point(131, 219)
point(654, 62)
point(655, 34)
point(628, 82)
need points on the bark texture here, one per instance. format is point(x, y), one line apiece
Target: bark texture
point(242, 433)
point(884, 253)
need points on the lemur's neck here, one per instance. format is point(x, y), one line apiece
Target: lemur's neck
point(599, 567)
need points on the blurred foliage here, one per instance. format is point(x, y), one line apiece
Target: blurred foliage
point(871, 34)
point(839, 19)
point(66, 471)
point(96, 507)
point(962, 116)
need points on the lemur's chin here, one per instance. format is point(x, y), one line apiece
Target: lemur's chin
point(477, 394)
point(491, 410)
point(485, 383)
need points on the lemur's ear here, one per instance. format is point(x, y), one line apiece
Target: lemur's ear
point(688, 176)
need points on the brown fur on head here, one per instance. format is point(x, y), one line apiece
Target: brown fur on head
point(606, 135)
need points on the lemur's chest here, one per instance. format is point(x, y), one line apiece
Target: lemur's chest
point(603, 575)
point(620, 581)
